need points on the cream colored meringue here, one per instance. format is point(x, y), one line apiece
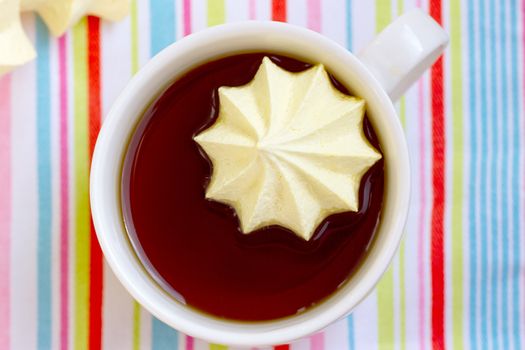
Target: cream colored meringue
point(59, 15)
point(15, 47)
point(287, 149)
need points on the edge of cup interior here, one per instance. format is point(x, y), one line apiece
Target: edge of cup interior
point(159, 73)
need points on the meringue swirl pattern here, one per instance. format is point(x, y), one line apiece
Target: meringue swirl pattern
point(287, 149)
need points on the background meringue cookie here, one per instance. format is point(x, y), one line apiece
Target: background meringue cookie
point(15, 47)
point(59, 16)
point(287, 149)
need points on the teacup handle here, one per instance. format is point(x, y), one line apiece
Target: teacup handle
point(400, 54)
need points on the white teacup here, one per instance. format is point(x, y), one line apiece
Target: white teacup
point(379, 75)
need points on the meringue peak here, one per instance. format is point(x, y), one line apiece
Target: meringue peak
point(287, 149)
point(59, 15)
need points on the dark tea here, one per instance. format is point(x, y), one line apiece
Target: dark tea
point(193, 247)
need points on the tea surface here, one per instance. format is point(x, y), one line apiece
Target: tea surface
point(193, 247)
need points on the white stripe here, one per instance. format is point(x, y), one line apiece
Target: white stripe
point(240, 348)
point(333, 20)
point(24, 200)
point(143, 31)
point(365, 323)
point(145, 329)
point(200, 345)
point(236, 10)
point(412, 226)
point(181, 341)
point(427, 218)
point(363, 24)
point(179, 20)
point(263, 10)
point(412, 232)
point(117, 313)
point(115, 52)
point(477, 196)
point(297, 12)
point(365, 314)
point(198, 16)
point(301, 344)
point(55, 186)
point(395, 299)
point(336, 335)
point(117, 310)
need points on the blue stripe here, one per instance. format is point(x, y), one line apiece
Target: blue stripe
point(349, 43)
point(163, 336)
point(493, 168)
point(349, 25)
point(351, 333)
point(45, 214)
point(504, 327)
point(162, 24)
point(473, 207)
point(516, 210)
point(162, 34)
point(485, 169)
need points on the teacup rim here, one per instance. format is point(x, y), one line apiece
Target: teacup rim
point(273, 332)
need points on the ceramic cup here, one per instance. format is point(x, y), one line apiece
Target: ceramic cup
point(379, 75)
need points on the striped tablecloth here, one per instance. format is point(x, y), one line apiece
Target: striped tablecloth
point(458, 278)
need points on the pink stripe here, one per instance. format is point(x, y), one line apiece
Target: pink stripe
point(317, 341)
point(314, 15)
point(5, 208)
point(422, 212)
point(64, 196)
point(186, 19)
point(252, 10)
point(190, 343)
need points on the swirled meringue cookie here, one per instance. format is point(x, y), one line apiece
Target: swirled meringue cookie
point(287, 149)
point(59, 15)
point(15, 47)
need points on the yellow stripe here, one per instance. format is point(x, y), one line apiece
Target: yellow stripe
point(385, 310)
point(383, 14)
point(385, 288)
point(402, 278)
point(136, 326)
point(134, 38)
point(218, 347)
point(457, 175)
point(81, 183)
point(400, 8)
point(216, 12)
point(134, 69)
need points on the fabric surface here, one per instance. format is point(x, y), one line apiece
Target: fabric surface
point(458, 278)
